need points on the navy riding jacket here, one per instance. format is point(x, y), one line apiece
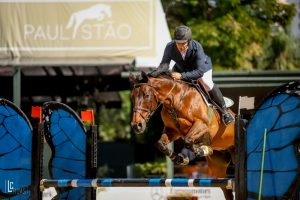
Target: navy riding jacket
point(195, 64)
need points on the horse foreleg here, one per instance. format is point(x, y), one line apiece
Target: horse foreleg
point(162, 145)
point(218, 163)
point(199, 133)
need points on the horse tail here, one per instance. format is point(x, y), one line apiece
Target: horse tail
point(71, 21)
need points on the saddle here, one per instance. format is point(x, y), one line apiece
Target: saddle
point(210, 103)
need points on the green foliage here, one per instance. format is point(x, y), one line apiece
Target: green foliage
point(114, 122)
point(88, 123)
point(279, 53)
point(297, 52)
point(104, 171)
point(233, 33)
point(142, 170)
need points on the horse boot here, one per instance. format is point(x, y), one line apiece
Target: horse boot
point(206, 145)
point(205, 148)
point(217, 97)
point(204, 151)
point(202, 148)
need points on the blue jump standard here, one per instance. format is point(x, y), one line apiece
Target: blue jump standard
point(136, 182)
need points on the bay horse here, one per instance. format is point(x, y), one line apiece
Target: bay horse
point(185, 115)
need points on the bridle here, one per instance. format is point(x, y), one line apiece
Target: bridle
point(148, 110)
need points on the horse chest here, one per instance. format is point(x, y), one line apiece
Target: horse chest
point(172, 119)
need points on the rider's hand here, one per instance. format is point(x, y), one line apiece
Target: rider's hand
point(176, 75)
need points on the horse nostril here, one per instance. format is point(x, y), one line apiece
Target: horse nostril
point(137, 127)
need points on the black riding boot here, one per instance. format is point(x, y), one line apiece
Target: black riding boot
point(216, 95)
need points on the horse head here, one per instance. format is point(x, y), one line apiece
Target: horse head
point(144, 102)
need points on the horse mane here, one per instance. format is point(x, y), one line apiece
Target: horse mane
point(161, 70)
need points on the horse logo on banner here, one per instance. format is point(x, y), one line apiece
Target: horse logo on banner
point(98, 12)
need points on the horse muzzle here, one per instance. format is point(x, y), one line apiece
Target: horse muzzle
point(138, 127)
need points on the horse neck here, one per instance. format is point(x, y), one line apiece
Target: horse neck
point(163, 87)
point(166, 88)
point(172, 95)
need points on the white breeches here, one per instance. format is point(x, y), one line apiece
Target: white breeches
point(206, 80)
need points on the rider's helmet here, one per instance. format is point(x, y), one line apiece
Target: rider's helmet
point(182, 34)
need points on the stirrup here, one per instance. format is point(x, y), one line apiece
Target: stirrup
point(227, 118)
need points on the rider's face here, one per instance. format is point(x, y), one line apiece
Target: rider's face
point(182, 46)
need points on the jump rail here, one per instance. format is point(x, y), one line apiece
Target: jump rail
point(136, 182)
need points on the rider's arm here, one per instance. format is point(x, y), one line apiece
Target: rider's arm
point(166, 59)
point(200, 63)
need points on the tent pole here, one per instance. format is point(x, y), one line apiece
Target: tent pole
point(170, 164)
point(17, 86)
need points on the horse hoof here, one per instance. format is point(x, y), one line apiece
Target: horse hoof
point(184, 160)
point(204, 151)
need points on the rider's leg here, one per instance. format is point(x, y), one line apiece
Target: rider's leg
point(217, 96)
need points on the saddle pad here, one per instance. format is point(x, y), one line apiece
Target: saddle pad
point(228, 102)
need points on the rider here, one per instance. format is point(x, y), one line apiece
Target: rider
point(191, 63)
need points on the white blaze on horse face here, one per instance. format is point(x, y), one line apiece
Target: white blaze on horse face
point(141, 109)
point(138, 124)
point(98, 12)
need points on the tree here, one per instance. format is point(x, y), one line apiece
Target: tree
point(279, 53)
point(115, 123)
point(232, 32)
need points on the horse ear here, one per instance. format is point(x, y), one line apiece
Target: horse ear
point(132, 77)
point(144, 75)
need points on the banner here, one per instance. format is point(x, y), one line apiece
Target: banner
point(77, 28)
